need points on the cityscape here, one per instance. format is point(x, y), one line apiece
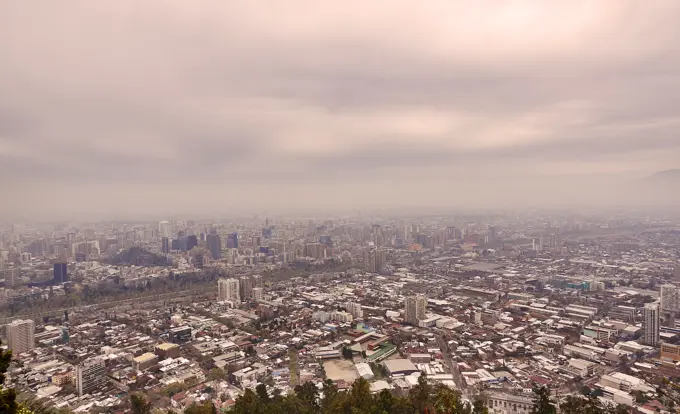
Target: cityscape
point(340, 207)
point(189, 312)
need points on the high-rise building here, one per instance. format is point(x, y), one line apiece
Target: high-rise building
point(257, 294)
point(12, 276)
point(257, 281)
point(232, 241)
point(374, 260)
point(60, 273)
point(415, 309)
point(493, 234)
point(651, 324)
point(165, 245)
point(214, 245)
point(21, 336)
point(354, 309)
point(245, 287)
point(164, 228)
point(228, 289)
point(90, 375)
point(192, 241)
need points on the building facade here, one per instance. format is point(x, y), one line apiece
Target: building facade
point(21, 336)
point(651, 324)
point(90, 376)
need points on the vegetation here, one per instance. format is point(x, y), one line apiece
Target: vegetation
point(140, 257)
point(8, 397)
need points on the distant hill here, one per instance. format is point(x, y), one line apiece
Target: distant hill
point(666, 176)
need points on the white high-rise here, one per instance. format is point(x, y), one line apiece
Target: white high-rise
point(415, 309)
point(90, 375)
point(164, 228)
point(21, 336)
point(354, 309)
point(670, 298)
point(228, 289)
point(651, 324)
point(257, 294)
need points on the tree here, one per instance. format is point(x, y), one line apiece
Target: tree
point(262, 394)
point(217, 374)
point(308, 394)
point(420, 394)
point(542, 402)
point(8, 397)
point(346, 353)
point(139, 403)
point(446, 400)
point(479, 406)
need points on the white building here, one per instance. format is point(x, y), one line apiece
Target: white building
point(164, 228)
point(415, 308)
point(651, 324)
point(228, 289)
point(341, 317)
point(499, 403)
point(257, 294)
point(21, 336)
point(354, 309)
point(90, 375)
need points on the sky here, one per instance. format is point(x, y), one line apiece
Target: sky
point(125, 107)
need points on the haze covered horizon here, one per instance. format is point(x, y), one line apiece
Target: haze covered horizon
point(116, 109)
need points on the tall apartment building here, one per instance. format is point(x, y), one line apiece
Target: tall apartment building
point(354, 309)
point(257, 294)
point(12, 276)
point(374, 260)
point(257, 281)
point(228, 289)
point(90, 375)
point(246, 287)
point(651, 324)
point(415, 309)
point(21, 336)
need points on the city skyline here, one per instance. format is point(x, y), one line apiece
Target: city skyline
point(208, 107)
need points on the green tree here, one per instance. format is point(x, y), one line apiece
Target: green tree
point(479, 406)
point(8, 397)
point(309, 395)
point(420, 394)
point(139, 403)
point(346, 353)
point(217, 374)
point(542, 402)
point(262, 394)
point(446, 400)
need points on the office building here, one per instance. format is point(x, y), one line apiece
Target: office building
point(90, 376)
point(86, 248)
point(20, 336)
point(192, 241)
point(214, 245)
point(415, 309)
point(245, 288)
point(228, 289)
point(180, 335)
point(232, 241)
point(12, 276)
point(60, 273)
point(651, 324)
point(165, 245)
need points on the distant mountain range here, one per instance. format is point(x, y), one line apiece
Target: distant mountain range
point(666, 176)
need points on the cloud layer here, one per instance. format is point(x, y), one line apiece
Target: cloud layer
point(120, 107)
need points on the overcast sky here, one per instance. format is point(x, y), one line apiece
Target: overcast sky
point(179, 106)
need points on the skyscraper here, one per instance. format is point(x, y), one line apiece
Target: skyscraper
point(90, 375)
point(415, 309)
point(232, 241)
point(164, 228)
point(228, 289)
point(651, 324)
point(60, 273)
point(670, 298)
point(165, 245)
point(21, 336)
point(192, 241)
point(215, 246)
point(245, 287)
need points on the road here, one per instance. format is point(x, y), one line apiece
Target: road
point(453, 366)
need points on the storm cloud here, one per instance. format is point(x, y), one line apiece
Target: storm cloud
point(202, 106)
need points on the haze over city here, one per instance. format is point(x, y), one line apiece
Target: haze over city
point(124, 108)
